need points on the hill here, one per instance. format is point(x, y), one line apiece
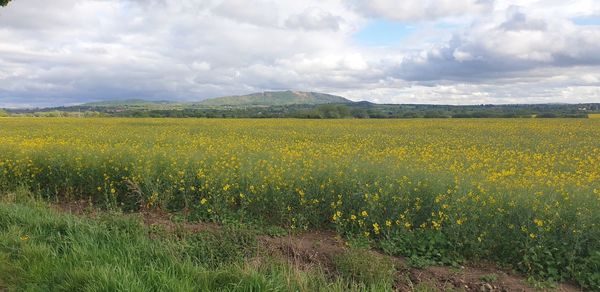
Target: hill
point(275, 98)
point(126, 102)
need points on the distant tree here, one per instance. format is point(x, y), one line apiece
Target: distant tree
point(547, 115)
point(328, 111)
point(343, 111)
point(359, 113)
point(331, 111)
point(4, 2)
point(3, 113)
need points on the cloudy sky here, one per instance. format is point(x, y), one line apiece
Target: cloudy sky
point(65, 52)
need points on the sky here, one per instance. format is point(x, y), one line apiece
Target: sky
point(66, 52)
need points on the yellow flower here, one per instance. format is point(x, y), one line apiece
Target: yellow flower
point(388, 223)
point(376, 228)
point(24, 237)
point(538, 222)
point(336, 216)
point(152, 199)
point(203, 201)
point(352, 217)
point(364, 214)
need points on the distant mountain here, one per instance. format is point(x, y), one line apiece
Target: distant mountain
point(275, 98)
point(126, 102)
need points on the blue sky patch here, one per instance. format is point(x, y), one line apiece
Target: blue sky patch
point(447, 25)
point(382, 32)
point(587, 20)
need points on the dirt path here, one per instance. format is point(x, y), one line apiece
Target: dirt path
point(320, 248)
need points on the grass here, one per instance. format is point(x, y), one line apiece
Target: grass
point(489, 278)
point(365, 266)
point(44, 250)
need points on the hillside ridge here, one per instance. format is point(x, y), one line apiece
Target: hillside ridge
point(271, 98)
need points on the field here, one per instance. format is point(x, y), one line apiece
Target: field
point(524, 194)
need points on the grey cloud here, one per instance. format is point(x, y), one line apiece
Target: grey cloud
point(25, 15)
point(517, 45)
point(314, 19)
point(517, 20)
point(260, 12)
point(422, 10)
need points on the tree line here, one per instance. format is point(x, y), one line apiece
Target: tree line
point(359, 110)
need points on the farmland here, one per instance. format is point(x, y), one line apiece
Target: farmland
point(521, 193)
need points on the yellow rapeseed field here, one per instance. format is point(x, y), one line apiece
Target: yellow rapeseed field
point(525, 192)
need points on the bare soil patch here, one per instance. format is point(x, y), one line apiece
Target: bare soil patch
point(306, 249)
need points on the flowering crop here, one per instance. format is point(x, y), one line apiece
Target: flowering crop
point(524, 192)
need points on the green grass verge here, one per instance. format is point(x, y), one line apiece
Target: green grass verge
point(44, 250)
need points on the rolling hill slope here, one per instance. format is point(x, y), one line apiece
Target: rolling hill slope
point(273, 98)
point(127, 102)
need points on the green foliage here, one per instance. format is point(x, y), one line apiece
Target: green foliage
point(544, 262)
point(4, 2)
point(588, 272)
point(422, 247)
